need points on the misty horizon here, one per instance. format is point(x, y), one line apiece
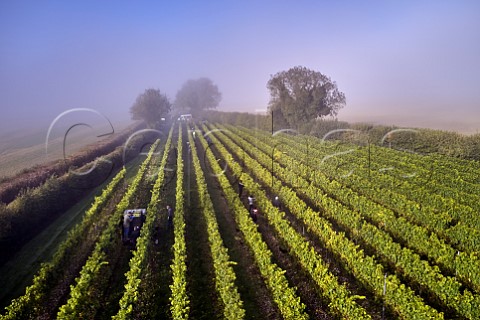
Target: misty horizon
point(405, 64)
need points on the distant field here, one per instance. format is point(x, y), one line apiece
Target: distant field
point(19, 151)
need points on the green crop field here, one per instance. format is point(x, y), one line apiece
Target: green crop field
point(358, 232)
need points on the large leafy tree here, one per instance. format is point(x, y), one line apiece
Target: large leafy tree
point(151, 106)
point(197, 95)
point(300, 95)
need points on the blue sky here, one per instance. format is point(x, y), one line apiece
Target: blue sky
point(411, 63)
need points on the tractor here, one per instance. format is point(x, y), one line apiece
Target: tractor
point(132, 221)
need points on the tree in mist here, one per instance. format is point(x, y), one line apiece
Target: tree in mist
point(197, 95)
point(300, 95)
point(151, 106)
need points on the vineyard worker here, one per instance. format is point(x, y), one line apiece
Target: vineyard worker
point(240, 188)
point(127, 219)
point(250, 203)
point(254, 213)
point(135, 234)
point(276, 202)
point(169, 217)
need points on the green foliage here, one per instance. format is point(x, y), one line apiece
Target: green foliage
point(34, 208)
point(341, 301)
point(400, 298)
point(302, 95)
point(424, 141)
point(83, 301)
point(140, 255)
point(284, 296)
point(197, 95)
point(224, 273)
point(151, 106)
point(179, 300)
point(27, 305)
point(426, 228)
point(322, 190)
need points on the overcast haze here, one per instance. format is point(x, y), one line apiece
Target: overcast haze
point(411, 63)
